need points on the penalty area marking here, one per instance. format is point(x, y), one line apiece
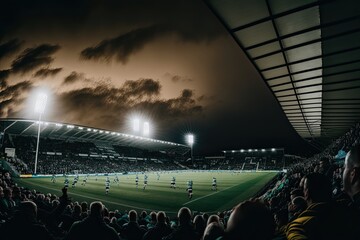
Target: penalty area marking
point(102, 200)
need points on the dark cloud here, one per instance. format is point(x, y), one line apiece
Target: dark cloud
point(46, 72)
point(188, 20)
point(34, 58)
point(110, 104)
point(5, 106)
point(9, 48)
point(187, 94)
point(124, 45)
point(13, 96)
point(175, 108)
point(4, 74)
point(79, 77)
point(177, 78)
point(140, 88)
point(73, 77)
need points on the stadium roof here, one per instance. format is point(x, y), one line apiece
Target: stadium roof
point(70, 132)
point(308, 54)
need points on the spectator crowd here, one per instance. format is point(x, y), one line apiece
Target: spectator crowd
point(316, 199)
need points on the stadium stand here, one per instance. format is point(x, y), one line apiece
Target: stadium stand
point(307, 202)
point(307, 53)
point(66, 150)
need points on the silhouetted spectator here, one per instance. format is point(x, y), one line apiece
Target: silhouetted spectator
point(68, 220)
point(160, 230)
point(92, 227)
point(152, 222)
point(143, 218)
point(132, 230)
point(7, 204)
point(326, 168)
point(296, 207)
point(84, 210)
point(115, 225)
point(213, 218)
point(351, 176)
point(250, 220)
point(24, 225)
point(185, 229)
point(296, 193)
point(199, 224)
point(213, 231)
point(16, 196)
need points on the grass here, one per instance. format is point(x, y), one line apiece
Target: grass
point(232, 189)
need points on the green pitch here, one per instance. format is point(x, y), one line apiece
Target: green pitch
point(232, 189)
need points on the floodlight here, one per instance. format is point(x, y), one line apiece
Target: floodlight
point(136, 125)
point(250, 150)
point(273, 149)
point(242, 150)
point(40, 103)
point(263, 150)
point(190, 139)
point(146, 129)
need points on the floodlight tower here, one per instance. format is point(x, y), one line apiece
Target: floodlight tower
point(39, 108)
point(190, 141)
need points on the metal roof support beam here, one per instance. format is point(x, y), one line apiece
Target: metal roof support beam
point(275, 16)
point(312, 58)
point(286, 61)
point(320, 26)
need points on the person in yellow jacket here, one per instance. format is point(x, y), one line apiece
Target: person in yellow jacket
point(324, 218)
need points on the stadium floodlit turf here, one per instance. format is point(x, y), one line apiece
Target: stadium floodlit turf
point(232, 189)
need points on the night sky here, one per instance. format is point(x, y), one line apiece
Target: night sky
point(170, 62)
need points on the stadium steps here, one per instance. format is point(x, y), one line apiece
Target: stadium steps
point(182, 166)
point(9, 167)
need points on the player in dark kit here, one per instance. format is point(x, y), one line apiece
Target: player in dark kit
point(116, 180)
point(107, 185)
point(76, 179)
point(190, 189)
point(173, 183)
point(85, 180)
point(145, 181)
point(137, 181)
point(66, 182)
point(53, 178)
point(214, 184)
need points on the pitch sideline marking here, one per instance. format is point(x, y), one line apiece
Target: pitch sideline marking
point(103, 200)
point(210, 194)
